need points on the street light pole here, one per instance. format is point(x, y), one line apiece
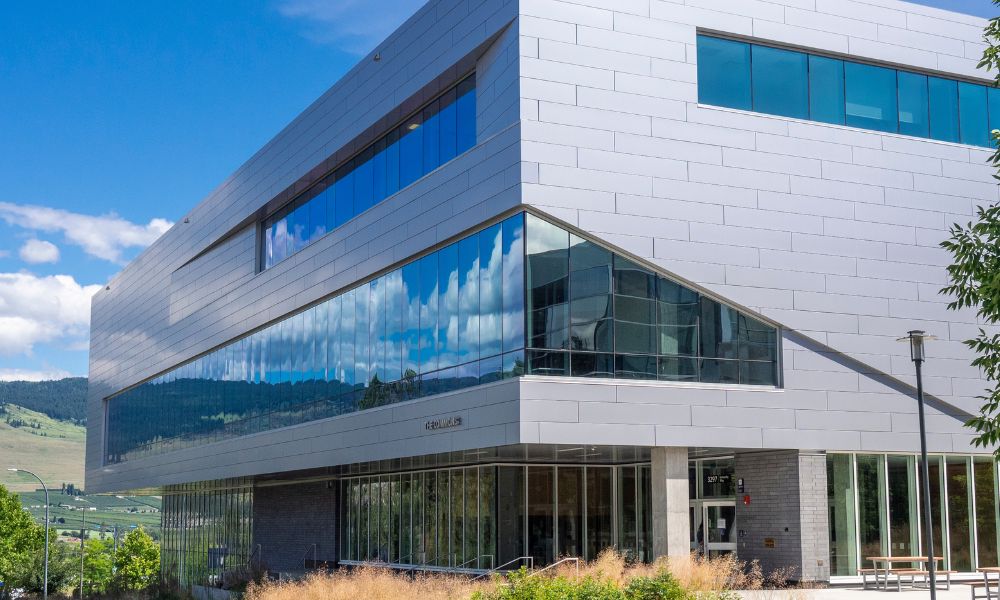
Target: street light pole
point(83, 550)
point(45, 583)
point(916, 339)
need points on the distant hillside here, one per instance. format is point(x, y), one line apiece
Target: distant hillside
point(63, 400)
point(31, 440)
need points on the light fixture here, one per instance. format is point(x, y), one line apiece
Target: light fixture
point(413, 126)
point(377, 57)
point(12, 469)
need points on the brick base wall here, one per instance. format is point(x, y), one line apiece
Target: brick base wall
point(288, 519)
point(785, 524)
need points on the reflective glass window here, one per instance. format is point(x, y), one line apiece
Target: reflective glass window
point(724, 72)
point(973, 122)
point(871, 97)
point(364, 182)
point(490, 294)
point(431, 129)
point(465, 111)
point(943, 95)
point(826, 90)
point(993, 104)
point(913, 108)
point(344, 190)
point(448, 126)
point(411, 162)
point(591, 319)
point(468, 299)
point(411, 319)
point(447, 325)
point(428, 313)
point(780, 81)
point(548, 278)
point(512, 287)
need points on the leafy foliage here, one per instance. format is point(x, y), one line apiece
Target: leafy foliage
point(137, 564)
point(522, 585)
point(19, 537)
point(63, 568)
point(975, 274)
point(65, 399)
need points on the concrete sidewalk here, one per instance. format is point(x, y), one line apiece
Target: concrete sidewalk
point(958, 591)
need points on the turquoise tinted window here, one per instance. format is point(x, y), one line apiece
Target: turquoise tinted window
point(432, 136)
point(871, 97)
point(913, 104)
point(943, 95)
point(973, 122)
point(724, 72)
point(826, 89)
point(780, 81)
point(796, 84)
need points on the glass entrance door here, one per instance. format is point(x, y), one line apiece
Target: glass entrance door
point(719, 527)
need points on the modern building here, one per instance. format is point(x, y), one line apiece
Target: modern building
point(541, 277)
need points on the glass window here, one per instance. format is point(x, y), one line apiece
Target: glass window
point(428, 313)
point(569, 511)
point(985, 471)
point(411, 319)
point(541, 509)
point(871, 97)
point(468, 299)
point(411, 164)
point(432, 137)
point(871, 504)
point(378, 171)
point(724, 72)
point(840, 497)
point(364, 182)
point(512, 283)
point(392, 162)
point(465, 109)
point(490, 294)
point(344, 190)
point(826, 89)
point(591, 319)
point(913, 111)
point(448, 124)
point(447, 329)
point(903, 519)
point(780, 82)
point(973, 122)
point(548, 273)
point(993, 101)
point(943, 97)
point(959, 525)
point(362, 348)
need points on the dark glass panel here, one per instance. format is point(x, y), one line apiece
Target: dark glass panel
point(758, 373)
point(344, 195)
point(903, 519)
point(634, 366)
point(363, 181)
point(871, 504)
point(719, 330)
point(590, 364)
point(590, 297)
point(723, 72)
point(280, 235)
point(510, 513)
point(488, 495)
point(871, 97)
point(600, 511)
point(547, 362)
point(959, 525)
point(678, 368)
point(628, 512)
point(569, 508)
point(548, 270)
point(985, 472)
point(841, 511)
point(972, 114)
point(456, 519)
point(541, 514)
point(715, 370)
point(993, 104)
point(780, 82)
point(392, 162)
point(913, 110)
point(826, 90)
point(943, 99)
point(379, 189)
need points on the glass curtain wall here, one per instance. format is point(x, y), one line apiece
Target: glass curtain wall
point(430, 137)
point(594, 313)
point(790, 83)
point(480, 517)
point(449, 320)
point(875, 509)
point(207, 532)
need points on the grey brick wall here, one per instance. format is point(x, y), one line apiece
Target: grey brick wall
point(787, 490)
point(288, 519)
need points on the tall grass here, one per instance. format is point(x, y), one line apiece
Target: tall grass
point(696, 577)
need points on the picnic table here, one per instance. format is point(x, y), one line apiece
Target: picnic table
point(882, 570)
point(986, 584)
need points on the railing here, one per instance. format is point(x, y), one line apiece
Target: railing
point(572, 559)
point(476, 560)
point(528, 559)
point(312, 548)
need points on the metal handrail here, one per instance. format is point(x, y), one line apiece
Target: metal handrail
point(529, 559)
point(476, 560)
point(306, 553)
point(557, 563)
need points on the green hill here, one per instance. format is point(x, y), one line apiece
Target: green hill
point(37, 442)
point(63, 399)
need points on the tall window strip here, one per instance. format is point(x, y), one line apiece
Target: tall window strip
point(796, 84)
point(429, 138)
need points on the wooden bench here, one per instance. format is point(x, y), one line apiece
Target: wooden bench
point(974, 586)
point(864, 577)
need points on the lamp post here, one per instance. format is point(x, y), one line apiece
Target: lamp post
point(45, 583)
point(916, 340)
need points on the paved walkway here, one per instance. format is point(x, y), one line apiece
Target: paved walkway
point(958, 591)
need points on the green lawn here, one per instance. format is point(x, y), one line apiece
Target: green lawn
point(52, 449)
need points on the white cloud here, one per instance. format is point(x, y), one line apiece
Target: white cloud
point(39, 251)
point(104, 236)
point(37, 309)
point(29, 375)
point(354, 26)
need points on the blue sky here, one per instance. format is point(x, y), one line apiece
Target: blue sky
point(116, 118)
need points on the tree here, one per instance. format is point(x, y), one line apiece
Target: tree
point(975, 274)
point(63, 568)
point(19, 537)
point(137, 564)
point(98, 561)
